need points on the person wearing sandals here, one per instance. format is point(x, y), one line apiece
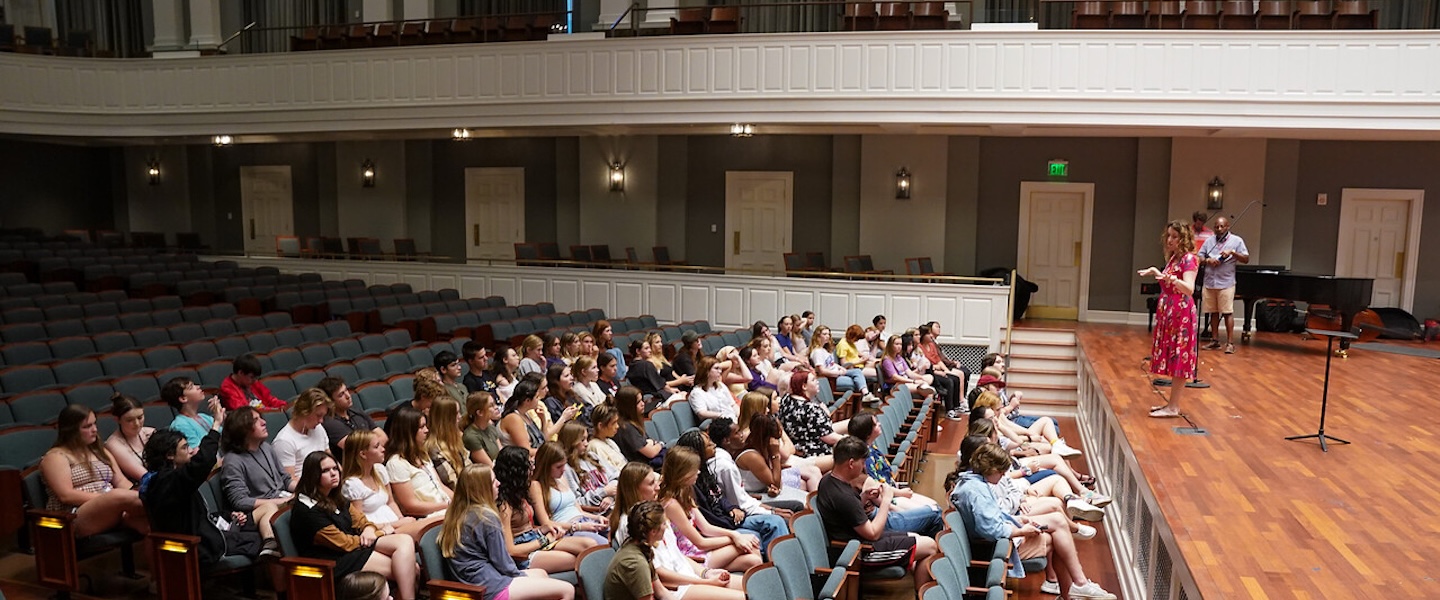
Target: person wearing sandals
point(1220, 254)
point(1172, 350)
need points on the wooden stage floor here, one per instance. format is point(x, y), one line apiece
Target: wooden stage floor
point(1256, 516)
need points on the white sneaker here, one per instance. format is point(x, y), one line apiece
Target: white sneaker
point(1091, 591)
point(1050, 587)
point(1083, 532)
point(1098, 500)
point(1083, 511)
point(1062, 449)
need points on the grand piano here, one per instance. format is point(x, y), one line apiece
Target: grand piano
point(1346, 296)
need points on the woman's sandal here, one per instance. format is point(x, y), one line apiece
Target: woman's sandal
point(1164, 412)
point(1086, 480)
point(1159, 407)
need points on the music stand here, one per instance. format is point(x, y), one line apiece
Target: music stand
point(1330, 337)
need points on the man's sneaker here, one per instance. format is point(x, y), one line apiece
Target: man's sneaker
point(1083, 532)
point(1084, 511)
point(1097, 500)
point(1050, 587)
point(955, 414)
point(1063, 450)
point(270, 549)
point(1215, 345)
point(1090, 591)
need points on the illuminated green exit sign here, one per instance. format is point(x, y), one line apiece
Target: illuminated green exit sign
point(1059, 168)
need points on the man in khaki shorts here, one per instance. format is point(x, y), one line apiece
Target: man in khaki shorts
point(1220, 254)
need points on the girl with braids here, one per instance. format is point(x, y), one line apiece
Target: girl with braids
point(473, 540)
point(518, 427)
point(367, 484)
point(81, 478)
point(717, 548)
point(446, 443)
point(528, 545)
point(640, 485)
point(632, 574)
point(554, 500)
point(413, 481)
point(593, 490)
point(602, 451)
point(327, 527)
point(127, 444)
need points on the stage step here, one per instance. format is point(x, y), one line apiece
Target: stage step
point(1042, 364)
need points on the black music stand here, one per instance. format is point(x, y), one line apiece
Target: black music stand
point(1330, 337)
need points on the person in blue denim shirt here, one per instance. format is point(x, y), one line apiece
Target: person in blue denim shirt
point(1033, 535)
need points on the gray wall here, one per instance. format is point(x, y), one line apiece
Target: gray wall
point(55, 187)
point(448, 163)
point(1329, 167)
point(1109, 163)
point(709, 157)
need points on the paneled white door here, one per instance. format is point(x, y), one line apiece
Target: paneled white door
point(266, 207)
point(494, 211)
point(1054, 250)
point(758, 213)
point(1376, 241)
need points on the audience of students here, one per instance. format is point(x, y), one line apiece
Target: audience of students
point(526, 461)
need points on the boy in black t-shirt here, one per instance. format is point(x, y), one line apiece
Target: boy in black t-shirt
point(842, 509)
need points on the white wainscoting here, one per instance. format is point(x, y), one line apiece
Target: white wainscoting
point(1385, 80)
point(969, 314)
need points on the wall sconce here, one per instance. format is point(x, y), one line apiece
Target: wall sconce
point(460, 134)
point(222, 140)
point(152, 171)
point(1215, 194)
point(367, 173)
point(742, 130)
point(902, 184)
point(617, 177)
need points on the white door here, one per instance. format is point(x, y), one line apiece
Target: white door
point(267, 208)
point(1054, 246)
point(1379, 231)
point(758, 207)
point(494, 211)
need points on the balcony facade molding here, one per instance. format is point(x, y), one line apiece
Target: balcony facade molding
point(1375, 80)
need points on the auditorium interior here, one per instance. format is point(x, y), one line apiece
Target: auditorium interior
point(347, 181)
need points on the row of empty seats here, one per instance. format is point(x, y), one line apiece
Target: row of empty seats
point(42, 40)
point(1242, 14)
point(506, 28)
point(38, 351)
point(895, 16)
point(715, 19)
point(547, 253)
point(362, 248)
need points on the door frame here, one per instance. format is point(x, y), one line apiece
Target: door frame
point(1350, 198)
point(470, 221)
point(1022, 256)
point(789, 235)
point(247, 210)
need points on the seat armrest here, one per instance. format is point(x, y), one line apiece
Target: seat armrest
point(440, 588)
point(833, 585)
point(849, 555)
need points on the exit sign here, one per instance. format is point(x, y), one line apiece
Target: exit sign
point(1059, 168)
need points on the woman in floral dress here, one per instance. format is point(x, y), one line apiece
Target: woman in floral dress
point(1172, 353)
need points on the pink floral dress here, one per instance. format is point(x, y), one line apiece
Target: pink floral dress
point(1172, 353)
